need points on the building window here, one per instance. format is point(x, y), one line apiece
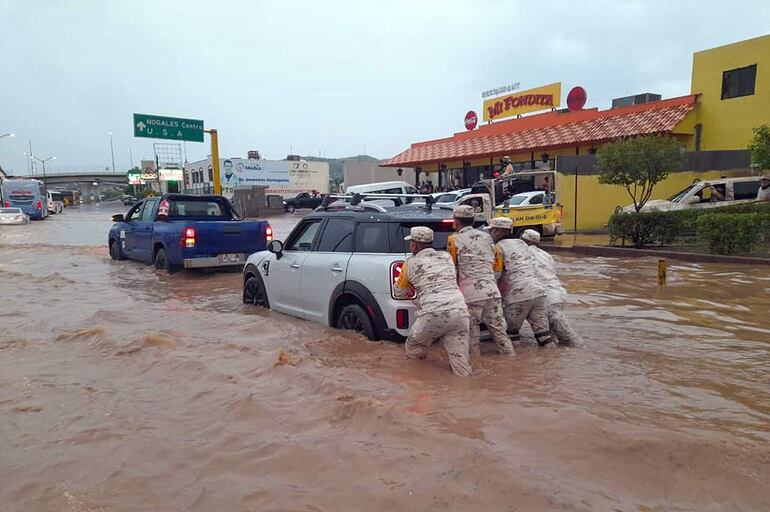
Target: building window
point(739, 82)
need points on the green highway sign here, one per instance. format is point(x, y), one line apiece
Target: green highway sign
point(175, 128)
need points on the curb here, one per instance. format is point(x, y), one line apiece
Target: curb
point(625, 252)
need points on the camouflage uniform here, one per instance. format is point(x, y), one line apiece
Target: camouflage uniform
point(560, 328)
point(441, 312)
point(524, 295)
point(475, 256)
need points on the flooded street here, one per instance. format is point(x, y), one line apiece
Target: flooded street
point(124, 389)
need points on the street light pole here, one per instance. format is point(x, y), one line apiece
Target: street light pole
point(112, 152)
point(43, 161)
point(7, 135)
point(131, 157)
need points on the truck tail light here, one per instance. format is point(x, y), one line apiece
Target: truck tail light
point(38, 205)
point(269, 234)
point(188, 238)
point(402, 319)
point(395, 272)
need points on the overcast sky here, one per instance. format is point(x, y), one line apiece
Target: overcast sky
point(336, 77)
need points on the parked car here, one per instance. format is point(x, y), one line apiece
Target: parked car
point(706, 194)
point(303, 200)
point(449, 198)
point(55, 202)
point(13, 216)
point(178, 231)
point(526, 199)
point(339, 265)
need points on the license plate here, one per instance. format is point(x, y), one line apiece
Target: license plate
point(230, 258)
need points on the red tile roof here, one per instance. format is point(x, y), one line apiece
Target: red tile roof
point(548, 131)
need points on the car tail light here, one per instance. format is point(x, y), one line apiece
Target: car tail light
point(7, 204)
point(269, 234)
point(38, 205)
point(402, 319)
point(395, 272)
point(188, 238)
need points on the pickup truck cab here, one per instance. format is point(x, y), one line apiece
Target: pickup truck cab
point(302, 200)
point(706, 194)
point(178, 231)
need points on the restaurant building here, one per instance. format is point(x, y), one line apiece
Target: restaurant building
point(729, 96)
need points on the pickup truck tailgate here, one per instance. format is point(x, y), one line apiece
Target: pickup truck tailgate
point(223, 237)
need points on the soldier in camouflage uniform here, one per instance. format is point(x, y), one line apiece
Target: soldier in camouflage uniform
point(441, 312)
point(561, 331)
point(524, 295)
point(477, 261)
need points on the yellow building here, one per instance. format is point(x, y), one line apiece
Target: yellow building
point(733, 84)
point(730, 96)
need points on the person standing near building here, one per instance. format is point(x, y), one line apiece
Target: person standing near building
point(441, 311)
point(506, 166)
point(524, 295)
point(555, 293)
point(763, 194)
point(474, 255)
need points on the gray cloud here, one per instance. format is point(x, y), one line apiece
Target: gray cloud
point(331, 76)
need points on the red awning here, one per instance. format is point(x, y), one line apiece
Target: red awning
point(550, 130)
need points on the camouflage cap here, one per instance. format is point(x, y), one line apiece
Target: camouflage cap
point(766, 177)
point(464, 212)
point(506, 159)
point(501, 223)
point(530, 235)
point(420, 234)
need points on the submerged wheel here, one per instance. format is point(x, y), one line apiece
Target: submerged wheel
point(254, 292)
point(115, 252)
point(354, 318)
point(162, 262)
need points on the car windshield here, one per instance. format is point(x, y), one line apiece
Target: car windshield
point(679, 195)
point(518, 199)
point(10, 210)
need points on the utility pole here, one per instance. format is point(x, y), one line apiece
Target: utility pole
point(215, 161)
point(131, 157)
point(31, 158)
point(112, 152)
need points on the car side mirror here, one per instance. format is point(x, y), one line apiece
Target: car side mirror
point(118, 217)
point(276, 247)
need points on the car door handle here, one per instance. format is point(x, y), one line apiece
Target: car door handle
point(337, 269)
point(295, 265)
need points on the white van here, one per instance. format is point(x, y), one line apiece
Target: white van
point(383, 187)
point(55, 201)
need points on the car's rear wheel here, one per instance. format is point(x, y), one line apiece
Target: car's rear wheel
point(354, 318)
point(290, 208)
point(254, 292)
point(115, 252)
point(162, 262)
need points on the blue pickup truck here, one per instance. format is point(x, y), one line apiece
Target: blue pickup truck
point(178, 231)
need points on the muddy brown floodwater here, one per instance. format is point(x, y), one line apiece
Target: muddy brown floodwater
point(122, 389)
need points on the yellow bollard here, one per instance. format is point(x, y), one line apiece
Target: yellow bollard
point(662, 272)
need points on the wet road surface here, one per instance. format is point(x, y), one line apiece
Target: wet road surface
point(124, 389)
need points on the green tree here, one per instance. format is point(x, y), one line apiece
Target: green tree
point(638, 164)
point(760, 146)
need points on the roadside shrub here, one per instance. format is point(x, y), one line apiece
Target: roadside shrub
point(730, 233)
point(643, 229)
point(664, 228)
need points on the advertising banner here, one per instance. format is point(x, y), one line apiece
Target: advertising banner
point(283, 177)
point(523, 102)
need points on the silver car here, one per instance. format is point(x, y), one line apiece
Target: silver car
point(13, 216)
